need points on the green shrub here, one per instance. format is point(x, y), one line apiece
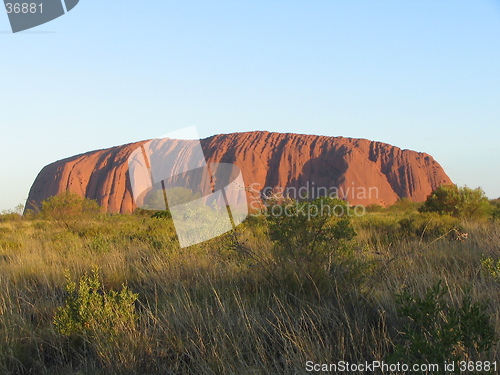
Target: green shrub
point(309, 227)
point(491, 267)
point(374, 208)
point(68, 209)
point(436, 331)
point(311, 241)
point(90, 311)
point(460, 202)
point(99, 323)
point(404, 205)
point(380, 229)
point(12, 215)
point(428, 225)
point(495, 209)
point(99, 244)
point(162, 215)
point(4, 244)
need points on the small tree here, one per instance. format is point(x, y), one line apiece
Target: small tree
point(312, 241)
point(436, 331)
point(68, 208)
point(460, 202)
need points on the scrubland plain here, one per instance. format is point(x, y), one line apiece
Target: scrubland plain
point(95, 293)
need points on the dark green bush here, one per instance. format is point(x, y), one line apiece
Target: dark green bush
point(162, 215)
point(374, 208)
point(436, 331)
point(491, 267)
point(312, 242)
point(495, 209)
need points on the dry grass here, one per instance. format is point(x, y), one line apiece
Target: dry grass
point(210, 310)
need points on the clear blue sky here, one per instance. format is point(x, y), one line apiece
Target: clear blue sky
point(418, 74)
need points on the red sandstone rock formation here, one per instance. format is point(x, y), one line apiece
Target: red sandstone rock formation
point(359, 170)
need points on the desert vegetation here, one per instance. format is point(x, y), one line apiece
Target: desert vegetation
point(84, 292)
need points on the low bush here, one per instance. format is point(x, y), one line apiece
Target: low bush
point(102, 320)
point(491, 267)
point(461, 202)
point(495, 209)
point(436, 331)
point(404, 205)
point(312, 243)
point(428, 225)
point(380, 230)
point(266, 298)
point(69, 210)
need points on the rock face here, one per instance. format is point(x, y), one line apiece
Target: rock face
point(358, 170)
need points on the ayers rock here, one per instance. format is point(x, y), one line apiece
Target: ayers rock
point(359, 170)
